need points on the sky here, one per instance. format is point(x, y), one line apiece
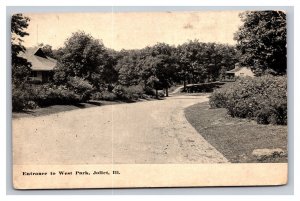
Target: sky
point(129, 30)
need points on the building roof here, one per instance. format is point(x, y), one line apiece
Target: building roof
point(38, 60)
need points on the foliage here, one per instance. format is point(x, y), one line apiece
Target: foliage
point(48, 94)
point(81, 87)
point(21, 99)
point(149, 91)
point(57, 53)
point(130, 68)
point(128, 93)
point(20, 66)
point(47, 49)
point(87, 69)
point(104, 95)
point(200, 62)
point(30, 96)
point(153, 67)
point(262, 41)
point(164, 63)
point(261, 98)
point(87, 58)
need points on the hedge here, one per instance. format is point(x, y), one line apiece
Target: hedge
point(263, 99)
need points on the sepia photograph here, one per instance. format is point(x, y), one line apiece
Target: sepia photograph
point(131, 99)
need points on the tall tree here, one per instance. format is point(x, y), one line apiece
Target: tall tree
point(47, 49)
point(200, 62)
point(20, 66)
point(262, 41)
point(87, 58)
point(129, 68)
point(165, 65)
point(184, 61)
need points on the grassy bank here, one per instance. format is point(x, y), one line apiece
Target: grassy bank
point(53, 109)
point(236, 138)
point(59, 108)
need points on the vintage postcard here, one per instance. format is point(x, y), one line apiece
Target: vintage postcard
point(149, 99)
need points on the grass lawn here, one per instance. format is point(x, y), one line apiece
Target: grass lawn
point(236, 138)
point(60, 108)
point(63, 108)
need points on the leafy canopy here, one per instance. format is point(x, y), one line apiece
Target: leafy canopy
point(262, 41)
point(20, 66)
point(85, 57)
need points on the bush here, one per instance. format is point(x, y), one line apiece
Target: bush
point(128, 93)
point(262, 98)
point(45, 95)
point(161, 94)
point(149, 91)
point(218, 99)
point(80, 87)
point(105, 95)
point(96, 96)
point(22, 99)
point(75, 91)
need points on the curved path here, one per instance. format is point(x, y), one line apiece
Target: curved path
point(143, 132)
point(178, 89)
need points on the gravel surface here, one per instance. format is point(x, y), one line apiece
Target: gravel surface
point(154, 132)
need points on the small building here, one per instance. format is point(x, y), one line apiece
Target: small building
point(238, 71)
point(42, 66)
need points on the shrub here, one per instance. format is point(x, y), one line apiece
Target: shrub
point(161, 94)
point(96, 96)
point(218, 99)
point(76, 90)
point(128, 93)
point(134, 92)
point(262, 98)
point(105, 95)
point(149, 91)
point(45, 95)
point(109, 96)
point(22, 99)
point(80, 87)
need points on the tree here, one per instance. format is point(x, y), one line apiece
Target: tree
point(165, 64)
point(47, 49)
point(151, 67)
point(57, 53)
point(184, 61)
point(150, 72)
point(262, 41)
point(20, 66)
point(219, 55)
point(130, 68)
point(85, 57)
point(200, 62)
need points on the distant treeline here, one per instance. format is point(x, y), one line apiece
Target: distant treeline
point(155, 67)
point(88, 70)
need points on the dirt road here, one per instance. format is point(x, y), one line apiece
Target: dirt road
point(143, 132)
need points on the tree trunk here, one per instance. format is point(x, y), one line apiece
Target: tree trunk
point(184, 85)
point(167, 92)
point(156, 93)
